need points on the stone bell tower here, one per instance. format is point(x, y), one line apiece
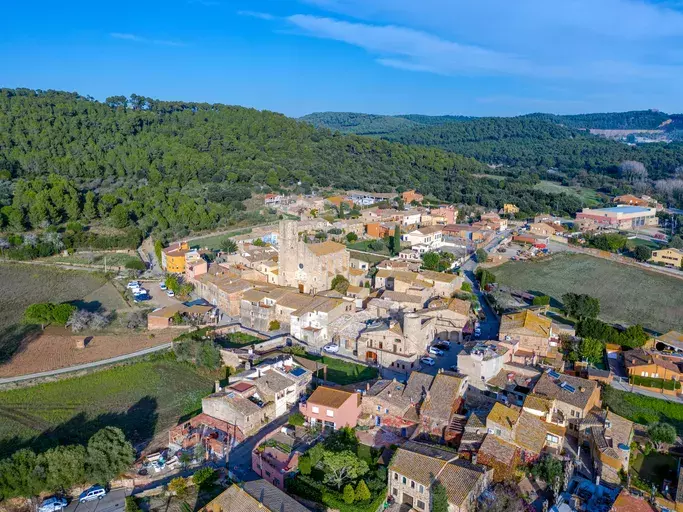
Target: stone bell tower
point(288, 244)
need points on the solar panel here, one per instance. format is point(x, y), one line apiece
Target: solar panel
point(567, 387)
point(554, 374)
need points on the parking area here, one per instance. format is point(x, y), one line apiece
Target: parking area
point(113, 501)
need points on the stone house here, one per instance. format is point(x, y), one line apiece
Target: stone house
point(609, 436)
point(442, 401)
point(311, 322)
point(389, 407)
point(416, 467)
point(223, 288)
point(572, 398)
point(481, 361)
point(531, 332)
point(255, 496)
point(450, 317)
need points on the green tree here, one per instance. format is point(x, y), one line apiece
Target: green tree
point(430, 261)
point(274, 325)
point(642, 253)
point(316, 453)
point(204, 476)
point(228, 245)
point(661, 433)
point(439, 498)
point(22, 474)
point(485, 277)
point(541, 300)
point(305, 464)
point(39, 314)
point(481, 255)
point(297, 419)
point(340, 284)
point(89, 206)
point(178, 487)
point(581, 305)
point(362, 491)
point(259, 242)
point(547, 469)
point(120, 216)
point(676, 242)
point(131, 505)
point(342, 467)
point(349, 494)
point(466, 287)
point(396, 241)
point(351, 237)
point(158, 247)
point(591, 350)
point(65, 467)
point(108, 455)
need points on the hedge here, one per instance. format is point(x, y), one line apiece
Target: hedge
point(653, 382)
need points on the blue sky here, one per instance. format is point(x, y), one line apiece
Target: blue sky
point(482, 57)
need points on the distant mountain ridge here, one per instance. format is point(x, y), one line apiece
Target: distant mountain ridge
point(373, 124)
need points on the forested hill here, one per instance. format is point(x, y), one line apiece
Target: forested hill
point(633, 120)
point(370, 124)
point(174, 167)
point(540, 141)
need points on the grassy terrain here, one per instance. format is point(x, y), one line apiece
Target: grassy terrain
point(643, 409)
point(142, 398)
point(588, 196)
point(363, 246)
point(113, 259)
point(635, 242)
point(370, 258)
point(628, 295)
point(344, 372)
point(238, 340)
point(655, 468)
point(214, 242)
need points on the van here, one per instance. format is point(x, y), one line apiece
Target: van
point(96, 492)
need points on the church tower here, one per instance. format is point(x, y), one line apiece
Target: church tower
point(288, 243)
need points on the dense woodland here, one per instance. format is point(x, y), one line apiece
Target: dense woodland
point(173, 167)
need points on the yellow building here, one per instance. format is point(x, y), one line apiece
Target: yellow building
point(173, 257)
point(671, 256)
point(509, 208)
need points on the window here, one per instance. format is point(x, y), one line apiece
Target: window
point(379, 407)
point(386, 411)
point(572, 413)
point(498, 432)
point(412, 484)
point(394, 491)
point(552, 438)
point(330, 413)
point(395, 476)
point(420, 505)
point(421, 488)
point(404, 480)
point(267, 473)
point(315, 409)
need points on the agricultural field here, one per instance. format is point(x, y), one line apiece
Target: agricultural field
point(142, 398)
point(628, 295)
point(111, 259)
point(214, 242)
point(588, 196)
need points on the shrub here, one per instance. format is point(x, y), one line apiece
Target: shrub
point(178, 486)
point(274, 325)
point(136, 265)
point(362, 491)
point(297, 419)
point(305, 465)
point(349, 494)
point(131, 504)
point(351, 237)
point(204, 476)
point(466, 287)
point(541, 300)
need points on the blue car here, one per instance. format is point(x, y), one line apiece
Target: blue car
point(96, 492)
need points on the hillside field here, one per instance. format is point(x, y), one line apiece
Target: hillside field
point(142, 398)
point(628, 295)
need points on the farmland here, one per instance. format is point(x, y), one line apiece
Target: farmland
point(588, 196)
point(142, 398)
point(111, 259)
point(627, 294)
point(214, 242)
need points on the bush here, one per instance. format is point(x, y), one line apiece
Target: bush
point(653, 382)
point(351, 237)
point(204, 476)
point(466, 287)
point(136, 265)
point(178, 486)
point(274, 325)
point(305, 464)
point(362, 491)
point(297, 419)
point(541, 300)
point(131, 504)
point(349, 494)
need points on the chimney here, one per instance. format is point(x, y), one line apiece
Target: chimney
point(582, 389)
point(218, 386)
point(367, 386)
point(474, 458)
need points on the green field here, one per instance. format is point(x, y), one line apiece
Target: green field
point(142, 398)
point(363, 245)
point(654, 468)
point(588, 196)
point(214, 242)
point(113, 259)
point(643, 409)
point(628, 295)
point(344, 372)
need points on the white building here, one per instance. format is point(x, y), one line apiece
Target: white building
point(427, 236)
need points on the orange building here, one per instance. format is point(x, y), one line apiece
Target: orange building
point(173, 257)
point(337, 200)
point(410, 195)
point(379, 229)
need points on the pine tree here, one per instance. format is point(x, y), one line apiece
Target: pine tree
point(362, 491)
point(396, 242)
point(349, 494)
point(439, 498)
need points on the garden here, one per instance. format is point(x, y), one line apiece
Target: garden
point(344, 372)
point(643, 409)
point(237, 340)
point(341, 474)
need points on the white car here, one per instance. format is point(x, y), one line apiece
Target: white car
point(331, 349)
point(435, 351)
point(170, 293)
point(428, 361)
point(477, 332)
point(52, 504)
point(133, 284)
point(96, 492)
point(162, 286)
point(443, 342)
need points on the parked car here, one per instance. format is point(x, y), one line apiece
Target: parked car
point(133, 284)
point(442, 346)
point(96, 492)
point(162, 286)
point(453, 368)
point(331, 349)
point(52, 504)
point(428, 361)
point(443, 342)
point(170, 293)
point(435, 351)
point(477, 332)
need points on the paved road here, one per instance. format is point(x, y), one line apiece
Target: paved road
point(114, 501)
point(85, 366)
point(239, 459)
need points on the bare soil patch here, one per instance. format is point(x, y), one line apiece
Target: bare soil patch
point(55, 348)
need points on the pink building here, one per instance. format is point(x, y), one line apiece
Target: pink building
point(447, 212)
point(331, 408)
point(275, 458)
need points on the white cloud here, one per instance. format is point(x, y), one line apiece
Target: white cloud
point(140, 39)
point(257, 14)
